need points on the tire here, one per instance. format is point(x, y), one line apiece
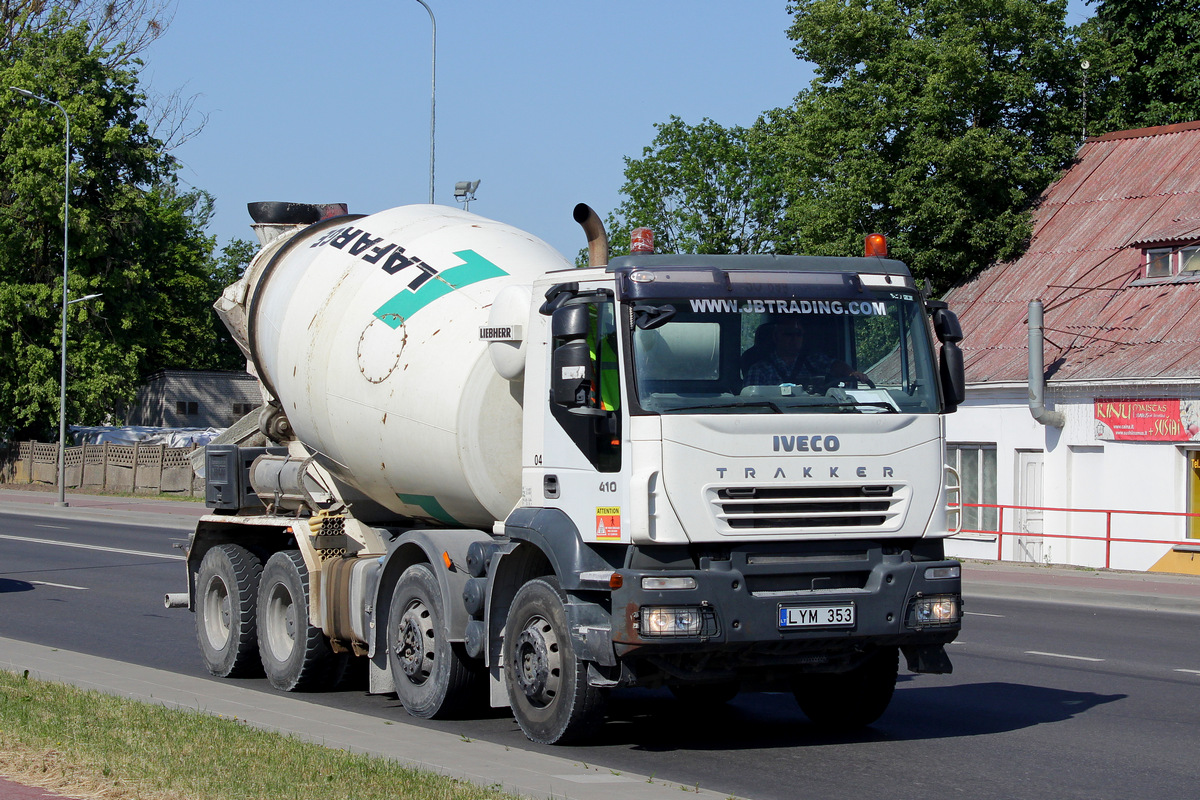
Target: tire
point(851, 700)
point(295, 655)
point(226, 596)
point(705, 695)
point(433, 677)
point(547, 684)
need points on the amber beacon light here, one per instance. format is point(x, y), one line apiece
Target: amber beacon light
point(875, 245)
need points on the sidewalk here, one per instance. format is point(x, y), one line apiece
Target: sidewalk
point(522, 772)
point(103, 508)
point(1147, 591)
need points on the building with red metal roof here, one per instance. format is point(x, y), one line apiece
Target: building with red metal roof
point(1115, 260)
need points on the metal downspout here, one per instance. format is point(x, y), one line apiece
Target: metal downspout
point(1037, 372)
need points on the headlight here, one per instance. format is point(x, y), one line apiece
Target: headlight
point(676, 621)
point(933, 610)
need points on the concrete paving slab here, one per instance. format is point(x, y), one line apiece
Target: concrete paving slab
point(12, 790)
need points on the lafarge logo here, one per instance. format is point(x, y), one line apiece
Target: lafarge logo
point(816, 443)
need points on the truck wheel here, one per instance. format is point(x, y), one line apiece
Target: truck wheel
point(433, 677)
point(849, 700)
point(295, 655)
point(227, 590)
point(708, 695)
point(547, 684)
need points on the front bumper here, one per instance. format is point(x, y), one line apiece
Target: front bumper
point(740, 595)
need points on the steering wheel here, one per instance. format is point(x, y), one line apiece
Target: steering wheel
point(850, 381)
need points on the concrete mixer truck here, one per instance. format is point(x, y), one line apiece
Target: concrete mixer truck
point(490, 477)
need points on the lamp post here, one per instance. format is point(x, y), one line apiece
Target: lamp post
point(62, 381)
point(432, 94)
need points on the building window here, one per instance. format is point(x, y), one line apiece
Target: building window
point(1165, 262)
point(1189, 259)
point(187, 407)
point(242, 409)
point(1158, 263)
point(976, 466)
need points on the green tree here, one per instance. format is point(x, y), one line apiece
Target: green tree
point(1144, 63)
point(937, 123)
point(702, 189)
point(134, 238)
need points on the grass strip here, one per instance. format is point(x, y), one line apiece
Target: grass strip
point(85, 743)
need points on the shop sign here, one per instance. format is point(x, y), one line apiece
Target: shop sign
point(1162, 420)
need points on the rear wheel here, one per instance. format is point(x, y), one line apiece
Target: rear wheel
point(434, 679)
point(295, 655)
point(849, 700)
point(547, 684)
point(226, 594)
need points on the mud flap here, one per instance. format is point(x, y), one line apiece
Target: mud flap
point(928, 658)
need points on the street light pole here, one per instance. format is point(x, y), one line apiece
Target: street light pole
point(432, 94)
point(62, 379)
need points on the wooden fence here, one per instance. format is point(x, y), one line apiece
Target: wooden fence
point(137, 468)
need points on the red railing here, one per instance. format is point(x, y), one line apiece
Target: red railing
point(1107, 538)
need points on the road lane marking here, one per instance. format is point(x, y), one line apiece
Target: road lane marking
point(1061, 655)
point(122, 551)
point(55, 527)
point(1189, 671)
point(59, 585)
point(980, 614)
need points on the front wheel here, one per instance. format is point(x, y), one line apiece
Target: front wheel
point(850, 700)
point(295, 655)
point(226, 597)
point(433, 677)
point(547, 684)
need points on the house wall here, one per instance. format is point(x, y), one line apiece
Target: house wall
point(1080, 470)
point(216, 398)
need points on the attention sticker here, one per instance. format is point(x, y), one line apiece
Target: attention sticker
point(608, 522)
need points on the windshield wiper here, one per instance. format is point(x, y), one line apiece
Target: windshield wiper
point(752, 404)
point(888, 407)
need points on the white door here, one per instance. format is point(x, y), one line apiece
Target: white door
point(1028, 521)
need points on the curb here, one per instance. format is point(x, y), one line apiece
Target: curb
point(521, 772)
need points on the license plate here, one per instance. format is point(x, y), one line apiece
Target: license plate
point(839, 615)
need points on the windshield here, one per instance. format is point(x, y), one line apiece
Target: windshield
point(861, 352)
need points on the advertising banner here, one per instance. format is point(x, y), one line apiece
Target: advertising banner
point(1159, 420)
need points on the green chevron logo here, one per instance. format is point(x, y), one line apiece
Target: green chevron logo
point(475, 268)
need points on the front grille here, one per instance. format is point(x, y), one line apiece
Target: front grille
point(800, 509)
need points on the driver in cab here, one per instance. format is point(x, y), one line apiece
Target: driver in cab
point(789, 362)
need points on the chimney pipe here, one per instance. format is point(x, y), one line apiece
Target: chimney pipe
point(1037, 372)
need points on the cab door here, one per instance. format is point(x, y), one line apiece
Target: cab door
point(585, 470)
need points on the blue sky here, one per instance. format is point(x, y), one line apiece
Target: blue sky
point(538, 100)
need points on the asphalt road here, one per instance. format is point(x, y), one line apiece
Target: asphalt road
point(1046, 701)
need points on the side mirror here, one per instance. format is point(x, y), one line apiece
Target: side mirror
point(953, 375)
point(569, 322)
point(946, 326)
point(572, 374)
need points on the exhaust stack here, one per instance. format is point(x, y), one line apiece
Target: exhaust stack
point(594, 229)
point(1037, 372)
